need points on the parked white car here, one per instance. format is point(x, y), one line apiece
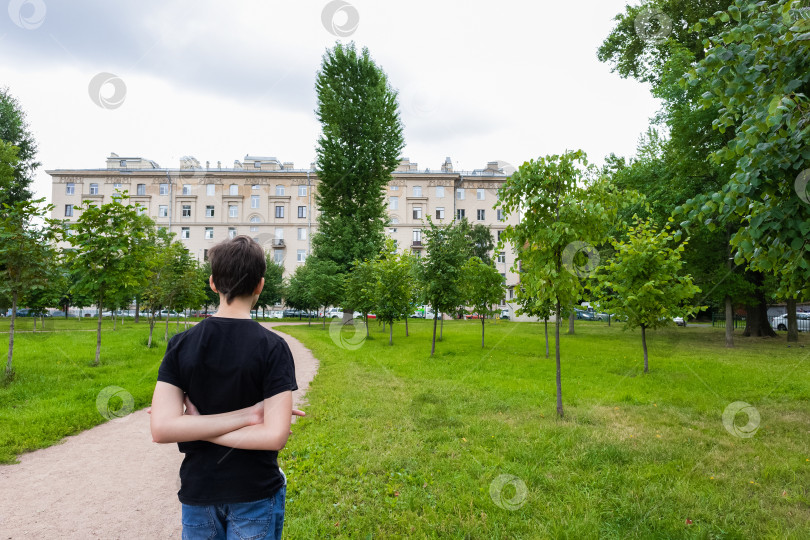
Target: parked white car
point(802, 321)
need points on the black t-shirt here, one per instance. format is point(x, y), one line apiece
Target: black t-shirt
point(224, 365)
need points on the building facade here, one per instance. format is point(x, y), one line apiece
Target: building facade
point(274, 203)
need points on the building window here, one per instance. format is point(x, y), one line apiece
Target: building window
point(122, 164)
point(140, 189)
point(255, 187)
point(257, 164)
point(278, 256)
point(254, 201)
point(302, 191)
point(209, 211)
point(417, 212)
point(185, 233)
point(209, 233)
point(279, 190)
point(439, 192)
point(502, 257)
point(234, 190)
point(440, 213)
point(511, 293)
point(205, 255)
point(301, 255)
point(255, 219)
point(302, 233)
point(186, 210)
point(479, 194)
point(163, 210)
point(186, 189)
point(460, 194)
point(302, 211)
point(393, 203)
point(231, 232)
point(210, 190)
point(93, 189)
point(460, 214)
point(417, 236)
point(394, 220)
point(279, 234)
point(499, 235)
point(68, 210)
point(70, 188)
point(279, 212)
point(233, 211)
point(480, 215)
point(164, 189)
point(417, 191)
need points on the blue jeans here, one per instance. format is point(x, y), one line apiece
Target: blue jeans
point(257, 520)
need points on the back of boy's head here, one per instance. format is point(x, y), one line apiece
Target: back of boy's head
point(237, 266)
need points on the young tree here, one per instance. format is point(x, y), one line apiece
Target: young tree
point(298, 292)
point(645, 282)
point(25, 256)
point(14, 132)
point(273, 285)
point(326, 283)
point(447, 250)
point(561, 208)
point(394, 287)
point(483, 288)
point(357, 151)
point(106, 252)
point(359, 289)
point(211, 298)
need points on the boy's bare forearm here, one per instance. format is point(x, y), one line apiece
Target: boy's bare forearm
point(252, 438)
point(187, 428)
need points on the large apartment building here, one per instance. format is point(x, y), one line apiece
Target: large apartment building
point(274, 202)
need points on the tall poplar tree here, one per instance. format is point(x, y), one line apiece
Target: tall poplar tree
point(357, 151)
point(14, 132)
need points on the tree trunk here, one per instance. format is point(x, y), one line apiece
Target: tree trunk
point(11, 333)
point(756, 318)
point(557, 350)
point(441, 330)
point(151, 329)
point(545, 323)
point(644, 346)
point(324, 317)
point(137, 310)
point(98, 334)
point(729, 323)
point(608, 320)
point(406, 326)
point(177, 324)
point(391, 333)
point(792, 323)
point(433, 346)
point(365, 317)
point(35, 322)
point(115, 324)
point(67, 307)
point(166, 331)
point(571, 319)
point(482, 332)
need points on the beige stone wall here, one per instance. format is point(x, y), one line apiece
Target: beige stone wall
point(277, 207)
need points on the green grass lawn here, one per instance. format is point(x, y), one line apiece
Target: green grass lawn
point(467, 444)
point(398, 444)
point(55, 388)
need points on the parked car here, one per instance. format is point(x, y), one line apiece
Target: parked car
point(584, 315)
point(505, 314)
point(802, 321)
point(172, 314)
point(679, 321)
point(299, 313)
point(334, 313)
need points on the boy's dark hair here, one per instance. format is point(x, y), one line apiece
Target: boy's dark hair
point(237, 266)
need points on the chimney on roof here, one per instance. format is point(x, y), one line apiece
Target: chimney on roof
point(447, 166)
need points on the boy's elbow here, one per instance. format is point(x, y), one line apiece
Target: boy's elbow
point(277, 441)
point(159, 433)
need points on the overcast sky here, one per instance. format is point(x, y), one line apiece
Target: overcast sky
point(478, 81)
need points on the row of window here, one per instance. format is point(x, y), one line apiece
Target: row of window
point(480, 215)
point(233, 211)
point(480, 194)
point(210, 189)
point(233, 189)
point(185, 233)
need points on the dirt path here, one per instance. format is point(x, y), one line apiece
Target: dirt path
point(108, 482)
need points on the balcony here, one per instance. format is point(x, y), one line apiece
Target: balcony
point(278, 242)
point(417, 244)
